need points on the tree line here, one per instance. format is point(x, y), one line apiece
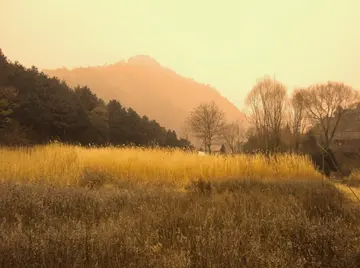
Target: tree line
point(37, 109)
point(277, 122)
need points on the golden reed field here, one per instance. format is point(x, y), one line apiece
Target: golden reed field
point(67, 206)
point(69, 165)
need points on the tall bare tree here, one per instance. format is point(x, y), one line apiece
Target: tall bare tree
point(234, 135)
point(266, 103)
point(207, 123)
point(185, 130)
point(297, 117)
point(325, 105)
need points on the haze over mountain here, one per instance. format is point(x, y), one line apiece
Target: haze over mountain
point(151, 89)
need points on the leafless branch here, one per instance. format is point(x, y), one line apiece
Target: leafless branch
point(207, 123)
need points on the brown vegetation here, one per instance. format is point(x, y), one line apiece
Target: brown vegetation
point(237, 224)
point(152, 208)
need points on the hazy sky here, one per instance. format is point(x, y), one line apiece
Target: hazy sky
point(228, 44)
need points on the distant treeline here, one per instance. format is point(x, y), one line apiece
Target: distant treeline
point(36, 109)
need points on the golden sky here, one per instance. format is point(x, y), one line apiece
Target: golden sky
point(228, 44)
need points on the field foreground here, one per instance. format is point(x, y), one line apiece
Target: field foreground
point(174, 213)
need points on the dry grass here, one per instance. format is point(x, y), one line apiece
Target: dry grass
point(351, 187)
point(354, 179)
point(69, 165)
point(353, 193)
point(170, 209)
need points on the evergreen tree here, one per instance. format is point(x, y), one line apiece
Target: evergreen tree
point(37, 109)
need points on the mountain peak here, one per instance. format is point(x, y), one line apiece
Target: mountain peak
point(143, 60)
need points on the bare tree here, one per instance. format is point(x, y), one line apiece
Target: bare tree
point(234, 135)
point(266, 103)
point(207, 122)
point(325, 105)
point(297, 117)
point(185, 131)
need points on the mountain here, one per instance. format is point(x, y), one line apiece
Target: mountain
point(36, 109)
point(151, 89)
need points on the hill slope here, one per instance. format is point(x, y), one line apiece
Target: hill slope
point(36, 109)
point(151, 89)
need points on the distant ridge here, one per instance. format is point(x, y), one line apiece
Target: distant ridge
point(149, 88)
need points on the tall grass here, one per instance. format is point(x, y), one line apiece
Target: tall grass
point(354, 179)
point(71, 165)
point(240, 224)
point(169, 208)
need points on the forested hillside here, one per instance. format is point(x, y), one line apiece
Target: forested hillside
point(36, 109)
point(150, 88)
